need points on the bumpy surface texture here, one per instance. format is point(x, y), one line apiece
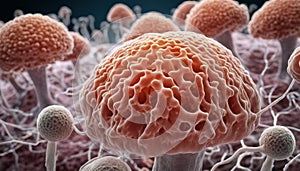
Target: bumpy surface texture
point(81, 47)
point(276, 19)
point(33, 40)
point(174, 92)
point(55, 123)
point(213, 17)
point(151, 22)
point(294, 65)
point(278, 141)
point(107, 163)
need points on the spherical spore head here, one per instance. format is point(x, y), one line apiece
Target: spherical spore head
point(278, 142)
point(276, 19)
point(181, 89)
point(214, 17)
point(294, 65)
point(55, 123)
point(33, 40)
point(107, 163)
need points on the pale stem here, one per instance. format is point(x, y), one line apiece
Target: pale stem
point(179, 162)
point(51, 156)
point(226, 40)
point(39, 79)
point(288, 45)
point(267, 165)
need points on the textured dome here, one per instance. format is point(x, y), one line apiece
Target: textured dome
point(276, 19)
point(213, 17)
point(294, 65)
point(55, 123)
point(175, 92)
point(278, 142)
point(33, 40)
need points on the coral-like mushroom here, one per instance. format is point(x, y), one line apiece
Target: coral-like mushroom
point(294, 65)
point(280, 20)
point(151, 22)
point(181, 12)
point(108, 163)
point(277, 142)
point(55, 123)
point(217, 19)
point(169, 95)
point(80, 49)
point(121, 13)
point(31, 42)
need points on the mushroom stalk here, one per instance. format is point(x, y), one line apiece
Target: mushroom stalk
point(39, 79)
point(51, 156)
point(179, 162)
point(288, 45)
point(268, 164)
point(226, 40)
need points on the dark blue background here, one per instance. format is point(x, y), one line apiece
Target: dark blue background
point(97, 8)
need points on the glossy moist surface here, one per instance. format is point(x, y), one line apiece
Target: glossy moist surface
point(174, 92)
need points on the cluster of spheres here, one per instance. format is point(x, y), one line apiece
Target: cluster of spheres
point(208, 87)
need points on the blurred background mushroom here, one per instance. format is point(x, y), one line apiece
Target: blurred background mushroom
point(120, 12)
point(81, 48)
point(278, 20)
point(30, 42)
point(182, 11)
point(217, 19)
point(179, 88)
point(150, 22)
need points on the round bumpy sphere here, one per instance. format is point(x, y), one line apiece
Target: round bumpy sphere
point(276, 19)
point(278, 142)
point(214, 17)
point(179, 89)
point(294, 65)
point(31, 41)
point(55, 123)
point(107, 163)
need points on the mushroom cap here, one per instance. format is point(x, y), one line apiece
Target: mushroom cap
point(33, 40)
point(55, 123)
point(151, 22)
point(214, 17)
point(278, 142)
point(294, 65)
point(81, 47)
point(182, 10)
point(276, 19)
point(120, 11)
point(108, 163)
point(179, 89)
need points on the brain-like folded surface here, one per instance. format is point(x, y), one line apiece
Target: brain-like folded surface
point(175, 92)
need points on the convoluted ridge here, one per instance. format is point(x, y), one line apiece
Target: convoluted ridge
point(175, 92)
